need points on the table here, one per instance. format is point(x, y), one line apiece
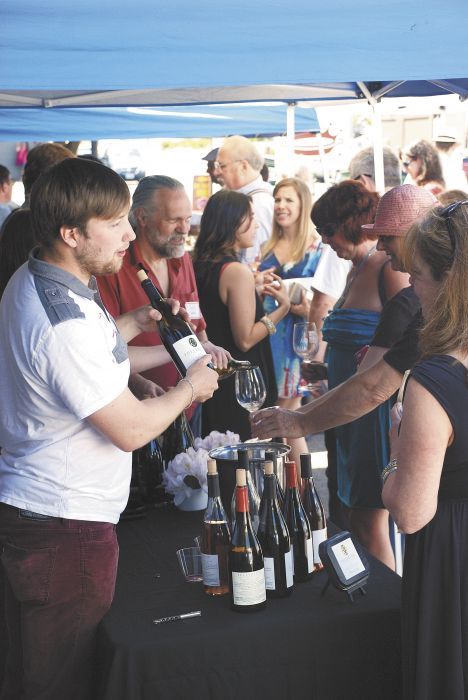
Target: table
point(307, 646)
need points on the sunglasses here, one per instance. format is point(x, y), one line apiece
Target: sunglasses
point(327, 230)
point(408, 160)
point(446, 214)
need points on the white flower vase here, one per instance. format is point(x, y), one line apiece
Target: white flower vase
point(198, 500)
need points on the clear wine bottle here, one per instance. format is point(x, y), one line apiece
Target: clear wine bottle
point(247, 573)
point(274, 539)
point(215, 539)
point(313, 508)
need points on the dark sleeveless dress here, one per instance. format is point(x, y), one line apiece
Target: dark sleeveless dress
point(435, 577)
point(222, 412)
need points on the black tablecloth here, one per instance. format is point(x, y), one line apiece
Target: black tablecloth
point(307, 646)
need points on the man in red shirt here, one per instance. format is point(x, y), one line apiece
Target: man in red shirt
point(160, 215)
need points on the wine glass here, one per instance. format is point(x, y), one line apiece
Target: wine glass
point(250, 389)
point(306, 344)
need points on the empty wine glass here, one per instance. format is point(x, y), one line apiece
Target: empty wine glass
point(250, 389)
point(306, 344)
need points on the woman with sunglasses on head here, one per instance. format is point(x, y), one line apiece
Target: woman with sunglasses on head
point(362, 446)
point(422, 163)
point(426, 482)
point(231, 306)
point(293, 251)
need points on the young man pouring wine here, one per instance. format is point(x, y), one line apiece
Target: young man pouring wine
point(67, 429)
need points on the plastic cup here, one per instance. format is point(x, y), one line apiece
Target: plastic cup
point(190, 563)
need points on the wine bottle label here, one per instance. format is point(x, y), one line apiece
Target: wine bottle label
point(317, 537)
point(289, 566)
point(248, 587)
point(210, 568)
point(189, 349)
point(270, 582)
point(310, 555)
point(291, 552)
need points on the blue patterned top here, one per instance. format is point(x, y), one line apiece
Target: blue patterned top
point(286, 362)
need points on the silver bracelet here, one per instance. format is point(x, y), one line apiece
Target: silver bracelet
point(391, 467)
point(269, 325)
point(189, 382)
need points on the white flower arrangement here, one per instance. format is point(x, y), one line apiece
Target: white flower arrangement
point(188, 470)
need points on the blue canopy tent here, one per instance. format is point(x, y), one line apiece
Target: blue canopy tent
point(119, 54)
point(76, 123)
point(116, 53)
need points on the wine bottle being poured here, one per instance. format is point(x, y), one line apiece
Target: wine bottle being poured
point(178, 338)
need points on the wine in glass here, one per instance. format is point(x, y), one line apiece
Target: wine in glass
point(306, 344)
point(250, 389)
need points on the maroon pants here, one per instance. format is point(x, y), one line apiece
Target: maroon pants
point(59, 579)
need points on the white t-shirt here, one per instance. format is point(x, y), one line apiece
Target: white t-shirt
point(262, 204)
point(331, 273)
point(61, 359)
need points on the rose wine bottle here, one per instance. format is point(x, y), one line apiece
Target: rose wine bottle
point(274, 539)
point(313, 508)
point(247, 573)
point(215, 539)
point(298, 526)
point(178, 338)
point(243, 462)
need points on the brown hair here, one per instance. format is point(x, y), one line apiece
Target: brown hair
point(41, 158)
point(441, 241)
point(305, 231)
point(348, 205)
point(431, 168)
point(72, 192)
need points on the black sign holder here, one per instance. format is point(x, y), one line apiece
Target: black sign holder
point(346, 564)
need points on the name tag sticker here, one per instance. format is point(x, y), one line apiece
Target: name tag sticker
point(193, 309)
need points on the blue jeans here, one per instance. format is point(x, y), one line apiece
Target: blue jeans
point(59, 579)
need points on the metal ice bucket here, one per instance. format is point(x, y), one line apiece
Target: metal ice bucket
point(226, 460)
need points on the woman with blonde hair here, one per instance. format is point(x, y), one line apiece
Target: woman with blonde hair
point(293, 251)
point(426, 482)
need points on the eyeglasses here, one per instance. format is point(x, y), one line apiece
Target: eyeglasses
point(328, 229)
point(222, 166)
point(446, 214)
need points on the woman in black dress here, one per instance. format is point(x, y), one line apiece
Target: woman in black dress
point(231, 307)
point(426, 484)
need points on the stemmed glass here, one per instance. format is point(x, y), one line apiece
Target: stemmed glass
point(250, 389)
point(306, 344)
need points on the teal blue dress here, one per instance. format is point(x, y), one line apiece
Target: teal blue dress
point(286, 362)
point(362, 446)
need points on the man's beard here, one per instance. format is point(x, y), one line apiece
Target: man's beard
point(167, 248)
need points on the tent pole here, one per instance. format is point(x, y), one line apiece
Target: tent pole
point(290, 132)
point(377, 139)
point(379, 175)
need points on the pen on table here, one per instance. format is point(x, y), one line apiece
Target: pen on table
point(173, 618)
